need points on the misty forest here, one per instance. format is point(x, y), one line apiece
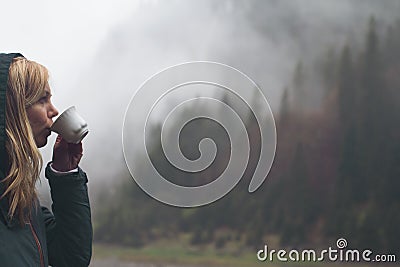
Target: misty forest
point(335, 174)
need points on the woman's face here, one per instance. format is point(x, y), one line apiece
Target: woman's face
point(40, 116)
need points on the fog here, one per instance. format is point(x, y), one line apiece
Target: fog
point(100, 52)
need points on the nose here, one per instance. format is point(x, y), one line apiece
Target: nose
point(53, 112)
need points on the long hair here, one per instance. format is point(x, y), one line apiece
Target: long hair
point(26, 83)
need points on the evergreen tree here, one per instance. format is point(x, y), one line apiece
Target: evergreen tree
point(284, 112)
point(327, 69)
point(346, 88)
point(301, 206)
point(369, 115)
point(299, 88)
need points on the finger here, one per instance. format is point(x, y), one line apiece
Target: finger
point(58, 139)
point(61, 141)
point(76, 148)
point(60, 146)
point(76, 159)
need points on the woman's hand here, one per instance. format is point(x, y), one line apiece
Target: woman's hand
point(66, 156)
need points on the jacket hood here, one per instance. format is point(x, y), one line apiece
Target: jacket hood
point(5, 62)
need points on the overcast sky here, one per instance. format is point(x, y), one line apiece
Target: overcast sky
point(100, 52)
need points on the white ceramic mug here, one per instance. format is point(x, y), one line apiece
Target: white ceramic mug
point(71, 126)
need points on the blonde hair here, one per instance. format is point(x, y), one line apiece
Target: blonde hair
point(27, 81)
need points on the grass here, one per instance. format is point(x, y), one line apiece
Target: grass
point(180, 252)
point(176, 254)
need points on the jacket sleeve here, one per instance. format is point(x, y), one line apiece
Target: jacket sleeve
point(69, 230)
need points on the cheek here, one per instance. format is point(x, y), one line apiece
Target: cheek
point(37, 116)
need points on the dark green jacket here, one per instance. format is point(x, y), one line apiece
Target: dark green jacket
point(60, 239)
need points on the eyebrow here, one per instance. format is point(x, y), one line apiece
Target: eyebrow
point(47, 93)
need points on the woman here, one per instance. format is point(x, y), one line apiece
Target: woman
point(31, 235)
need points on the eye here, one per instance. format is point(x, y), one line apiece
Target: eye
point(43, 100)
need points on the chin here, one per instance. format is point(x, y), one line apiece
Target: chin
point(41, 143)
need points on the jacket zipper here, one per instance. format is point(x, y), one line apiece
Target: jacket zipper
point(37, 244)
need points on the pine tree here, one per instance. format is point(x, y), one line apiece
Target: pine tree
point(299, 89)
point(346, 88)
point(284, 112)
point(328, 69)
